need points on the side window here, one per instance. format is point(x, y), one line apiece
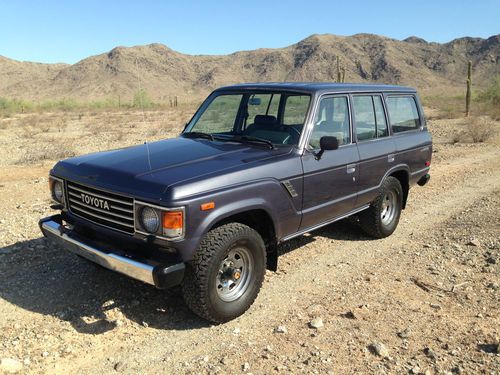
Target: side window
point(332, 119)
point(380, 122)
point(220, 115)
point(296, 109)
point(403, 113)
point(364, 115)
point(262, 104)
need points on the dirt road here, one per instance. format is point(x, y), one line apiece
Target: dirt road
point(425, 300)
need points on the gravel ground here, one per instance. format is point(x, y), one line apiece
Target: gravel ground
point(425, 300)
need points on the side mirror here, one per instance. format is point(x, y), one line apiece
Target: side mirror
point(327, 143)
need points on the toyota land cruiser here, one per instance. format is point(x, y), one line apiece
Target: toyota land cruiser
point(258, 164)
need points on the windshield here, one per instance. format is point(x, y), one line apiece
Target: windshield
point(274, 118)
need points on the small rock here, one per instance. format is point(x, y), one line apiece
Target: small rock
point(436, 306)
point(493, 286)
point(120, 366)
point(491, 260)
point(246, 366)
point(316, 323)
point(430, 353)
point(457, 246)
point(349, 315)
point(108, 303)
point(280, 329)
point(236, 331)
point(473, 242)
point(379, 349)
point(45, 354)
point(10, 365)
point(404, 334)
point(415, 370)
point(427, 246)
point(145, 324)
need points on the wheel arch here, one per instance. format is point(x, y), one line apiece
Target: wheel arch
point(262, 222)
point(403, 177)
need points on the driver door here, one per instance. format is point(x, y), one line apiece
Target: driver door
point(330, 182)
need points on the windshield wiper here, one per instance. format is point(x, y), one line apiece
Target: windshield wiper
point(248, 139)
point(198, 135)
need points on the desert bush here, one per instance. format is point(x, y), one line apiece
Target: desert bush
point(492, 93)
point(49, 151)
point(142, 100)
point(480, 129)
point(488, 101)
point(449, 107)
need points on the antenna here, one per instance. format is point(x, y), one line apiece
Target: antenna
point(142, 110)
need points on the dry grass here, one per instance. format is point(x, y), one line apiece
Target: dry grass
point(39, 138)
point(55, 150)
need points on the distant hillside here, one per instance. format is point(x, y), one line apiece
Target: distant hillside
point(163, 72)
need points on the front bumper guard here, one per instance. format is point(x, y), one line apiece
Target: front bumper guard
point(161, 276)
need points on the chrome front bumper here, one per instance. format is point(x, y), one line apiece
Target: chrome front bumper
point(161, 276)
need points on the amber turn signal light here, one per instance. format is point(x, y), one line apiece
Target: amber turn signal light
point(207, 206)
point(173, 223)
point(172, 219)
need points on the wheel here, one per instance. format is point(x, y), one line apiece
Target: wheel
point(226, 274)
point(382, 218)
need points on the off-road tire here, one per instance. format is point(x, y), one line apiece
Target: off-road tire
point(371, 220)
point(199, 285)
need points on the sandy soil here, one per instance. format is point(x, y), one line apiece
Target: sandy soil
point(425, 300)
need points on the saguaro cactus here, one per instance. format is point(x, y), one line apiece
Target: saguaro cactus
point(340, 71)
point(468, 95)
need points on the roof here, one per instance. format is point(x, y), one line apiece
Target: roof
point(312, 87)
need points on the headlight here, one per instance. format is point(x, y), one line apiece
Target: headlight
point(56, 189)
point(150, 220)
point(163, 222)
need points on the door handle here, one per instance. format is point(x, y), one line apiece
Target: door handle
point(390, 158)
point(351, 168)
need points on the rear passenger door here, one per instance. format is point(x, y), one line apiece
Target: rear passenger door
point(330, 182)
point(376, 148)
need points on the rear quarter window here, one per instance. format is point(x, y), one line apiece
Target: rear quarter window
point(403, 113)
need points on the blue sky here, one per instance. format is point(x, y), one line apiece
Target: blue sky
point(68, 31)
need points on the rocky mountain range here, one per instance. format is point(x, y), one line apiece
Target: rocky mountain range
point(163, 72)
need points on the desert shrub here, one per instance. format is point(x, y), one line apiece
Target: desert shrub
point(449, 107)
point(488, 101)
point(492, 93)
point(480, 129)
point(49, 151)
point(9, 106)
point(142, 99)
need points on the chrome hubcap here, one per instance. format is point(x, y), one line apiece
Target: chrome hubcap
point(234, 275)
point(389, 208)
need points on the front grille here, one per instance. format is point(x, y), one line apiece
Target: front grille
point(101, 207)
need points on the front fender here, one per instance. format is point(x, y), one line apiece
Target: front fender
point(268, 195)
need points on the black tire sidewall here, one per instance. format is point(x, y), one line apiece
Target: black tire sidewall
point(225, 310)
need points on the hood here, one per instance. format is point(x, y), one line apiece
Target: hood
point(149, 169)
